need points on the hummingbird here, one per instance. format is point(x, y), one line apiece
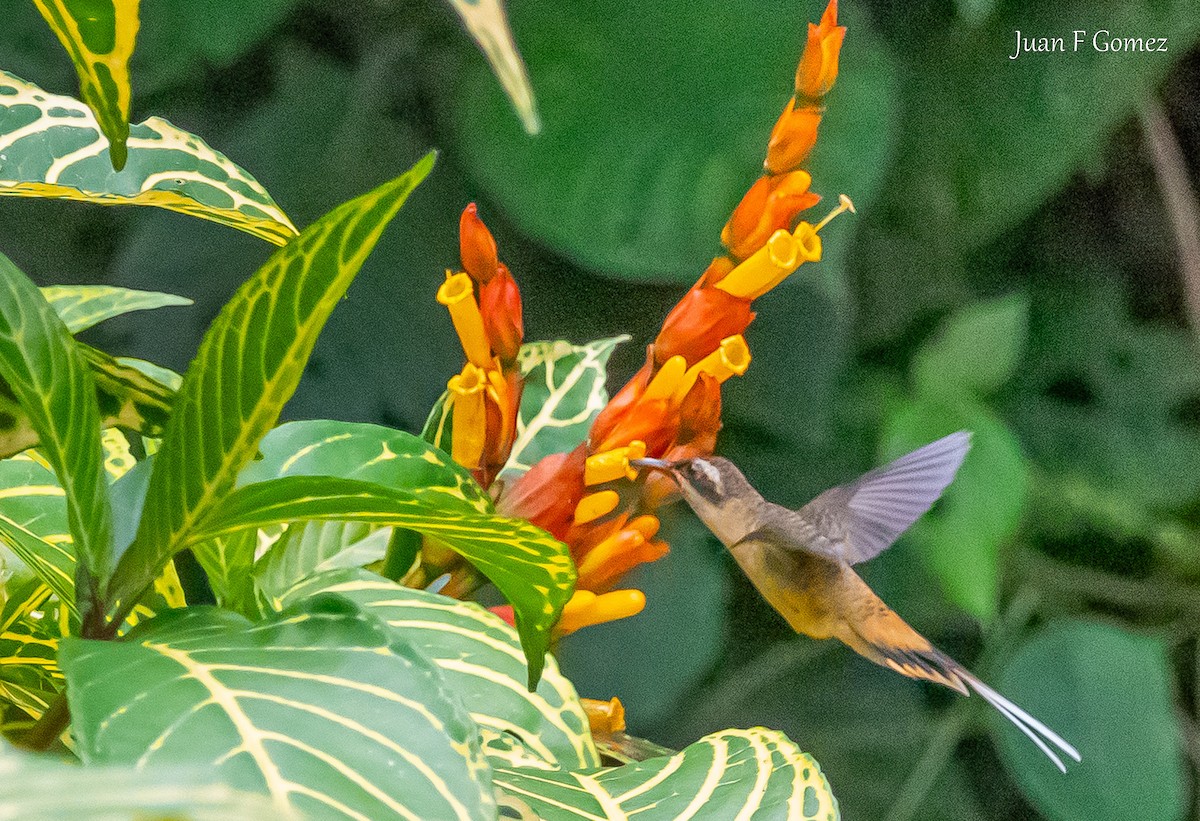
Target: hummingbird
point(801, 561)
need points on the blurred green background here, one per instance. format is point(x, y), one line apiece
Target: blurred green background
point(1018, 267)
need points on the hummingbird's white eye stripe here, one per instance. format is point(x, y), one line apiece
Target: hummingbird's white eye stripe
point(709, 471)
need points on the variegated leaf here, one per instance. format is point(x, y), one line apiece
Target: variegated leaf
point(531, 568)
point(126, 394)
point(51, 146)
point(82, 306)
point(248, 365)
point(755, 773)
point(486, 22)
point(99, 39)
point(50, 382)
point(317, 708)
point(481, 660)
point(564, 391)
point(37, 787)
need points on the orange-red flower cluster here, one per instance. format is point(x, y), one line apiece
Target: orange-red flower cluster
point(485, 306)
point(591, 498)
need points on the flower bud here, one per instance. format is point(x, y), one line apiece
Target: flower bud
point(696, 326)
point(818, 67)
point(477, 246)
point(770, 205)
point(792, 138)
point(500, 304)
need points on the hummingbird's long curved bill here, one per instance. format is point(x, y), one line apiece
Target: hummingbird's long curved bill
point(656, 464)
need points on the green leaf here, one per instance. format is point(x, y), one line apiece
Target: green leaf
point(481, 661)
point(355, 451)
point(730, 774)
point(976, 351)
point(373, 453)
point(82, 306)
point(486, 23)
point(99, 39)
point(228, 562)
point(125, 394)
point(38, 787)
point(962, 536)
point(248, 365)
point(564, 391)
point(671, 135)
point(530, 567)
point(1110, 693)
point(42, 366)
point(53, 564)
point(315, 708)
point(50, 146)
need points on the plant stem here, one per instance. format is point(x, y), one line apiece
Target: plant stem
point(50, 726)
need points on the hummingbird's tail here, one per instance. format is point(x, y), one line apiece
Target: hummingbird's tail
point(886, 639)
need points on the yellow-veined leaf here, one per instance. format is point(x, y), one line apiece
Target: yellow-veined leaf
point(99, 37)
point(317, 708)
point(51, 146)
point(248, 365)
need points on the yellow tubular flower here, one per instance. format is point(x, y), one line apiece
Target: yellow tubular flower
point(666, 382)
point(458, 294)
point(470, 416)
point(592, 565)
point(595, 505)
point(731, 358)
point(771, 263)
point(586, 608)
point(613, 464)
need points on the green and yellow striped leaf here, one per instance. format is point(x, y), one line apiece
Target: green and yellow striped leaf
point(127, 396)
point(248, 365)
point(82, 306)
point(51, 146)
point(481, 660)
point(530, 567)
point(34, 786)
point(43, 369)
point(753, 774)
point(487, 24)
point(99, 37)
point(317, 708)
point(564, 391)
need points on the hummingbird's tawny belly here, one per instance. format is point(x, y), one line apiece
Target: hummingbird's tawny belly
point(797, 584)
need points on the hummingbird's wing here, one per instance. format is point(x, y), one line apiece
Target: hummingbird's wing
point(871, 512)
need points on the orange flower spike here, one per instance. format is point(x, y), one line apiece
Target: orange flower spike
point(500, 304)
point(458, 294)
point(699, 322)
point(586, 608)
point(818, 67)
point(647, 525)
point(792, 138)
point(771, 204)
point(477, 246)
point(604, 717)
point(606, 575)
